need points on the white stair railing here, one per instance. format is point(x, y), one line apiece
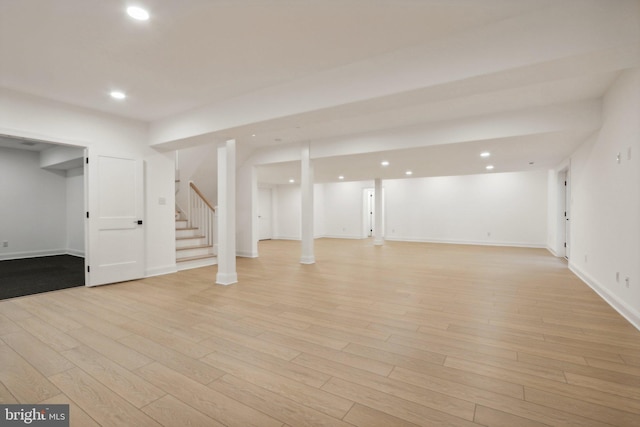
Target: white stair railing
point(201, 214)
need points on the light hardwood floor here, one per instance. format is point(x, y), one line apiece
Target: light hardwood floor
point(400, 335)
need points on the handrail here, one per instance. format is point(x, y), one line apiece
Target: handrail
point(199, 193)
point(201, 214)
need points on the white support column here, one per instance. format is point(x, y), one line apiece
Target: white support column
point(306, 193)
point(227, 274)
point(377, 214)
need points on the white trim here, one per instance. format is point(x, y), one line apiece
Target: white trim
point(75, 252)
point(342, 236)
point(226, 279)
point(620, 306)
point(554, 253)
point(247, 254)
point(160, 271)
point(470, 242)
point(34, 254)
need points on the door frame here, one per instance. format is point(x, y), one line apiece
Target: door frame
point(89, 255)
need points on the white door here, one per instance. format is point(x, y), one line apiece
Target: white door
point(115, 219)
point(567, 214)
point(264, 214)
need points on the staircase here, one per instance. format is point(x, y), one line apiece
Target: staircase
point(195, 236)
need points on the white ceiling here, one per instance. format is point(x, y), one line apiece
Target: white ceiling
point(322, 71)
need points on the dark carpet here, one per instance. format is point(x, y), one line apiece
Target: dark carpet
point(20, 277)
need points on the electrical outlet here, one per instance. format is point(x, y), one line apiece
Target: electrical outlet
point(617, 277)
point(626, 281)
point(586, 259)
point(488, 234)
point(5, 244)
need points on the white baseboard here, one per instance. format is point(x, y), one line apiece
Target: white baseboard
point(554, 253)
point(75, 252)
point(629, 313)
point(341, 236)
point(467, 242)
point(247, 254)
point(33, 254)
point(160, 271)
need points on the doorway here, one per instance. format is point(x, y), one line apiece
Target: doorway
point(369, 212)
point(264, 214)
point(43, 245)
point(566, 220)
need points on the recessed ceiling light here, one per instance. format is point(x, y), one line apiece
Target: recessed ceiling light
point(408, 173)
point(485, 154)
point(253, 134)
point(292, 180)
point(489, 167)
point(138, 13)
point(384, 163)
point(341, 177)
point(118, 94)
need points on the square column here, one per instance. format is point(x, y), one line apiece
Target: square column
point(306, 195)
point(227, 274)
point(378, 238)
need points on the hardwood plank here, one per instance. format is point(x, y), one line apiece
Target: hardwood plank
point(12, 311)
point(77, 417)
point(293, 390)
point(580, 407)
point(363, 416)
point(38, 354)
point(329, 353)
point(25, 383)
point(48, 334)
point(6, 397)
point(8, 326)
point(255, 344)
point(166, 339)
point(458, 387)
point(271, 363)
point(212, 403)
point(394, 406)
point(103, 405)
point(191, 368)
point(118, 379)
point(111, 349)
point(493, 418)
point(39, 307)
point(273, 404)
point(565, 389)
point(632, 391)
point(435, 394)
point(171, 412)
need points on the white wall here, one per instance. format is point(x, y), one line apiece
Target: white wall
point(287, 211)
point(33, 207)
point(343, 203)
point(512, 207)
point(605, 201)
point(33, 117)
point(75, 211)
point(198, 164)
point(495, 209)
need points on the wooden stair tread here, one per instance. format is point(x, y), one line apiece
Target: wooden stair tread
point(194, 247)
